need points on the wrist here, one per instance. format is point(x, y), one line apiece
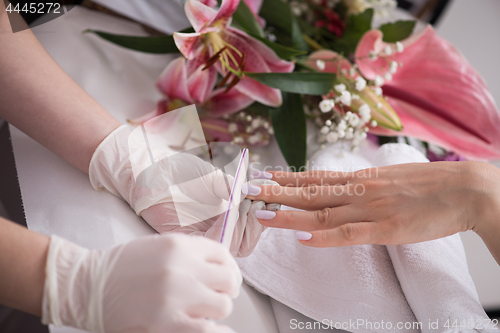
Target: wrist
point(484, 198)
point(69, 285)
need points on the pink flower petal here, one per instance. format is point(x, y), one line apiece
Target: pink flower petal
point(188, 44)
point(331, 60)
point(173, 81)
point(226, 11)
point(209, 3)
point(199, 14)
point(221, 103)
point(191, 44)
point(275, 63)
point(259, 92)
point(439, 96)
point(201, 82)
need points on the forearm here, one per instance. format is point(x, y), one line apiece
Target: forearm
point(40, 99)
point(23, 254)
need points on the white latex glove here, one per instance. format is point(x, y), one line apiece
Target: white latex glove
point(161, 283)
point(204, 192)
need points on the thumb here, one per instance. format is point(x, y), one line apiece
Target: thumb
point(222, 184)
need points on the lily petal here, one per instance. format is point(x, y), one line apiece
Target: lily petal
point(275, 63)
point(173, 82)
point(201, 82)
point(226, 11)
point(259, 92)
point(440, 97)
point(199, 14)
point(331, 60)
point(190, 44)
point(221, 103)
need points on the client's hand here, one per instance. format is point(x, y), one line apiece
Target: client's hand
point(398, 204)
point(181, 193)
point(168, 283)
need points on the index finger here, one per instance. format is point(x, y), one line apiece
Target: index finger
point(315, 177)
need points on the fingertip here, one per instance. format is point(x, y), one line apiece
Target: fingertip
point(262, 175)
point(303, 235)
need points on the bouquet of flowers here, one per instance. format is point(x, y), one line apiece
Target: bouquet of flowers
point(257, 69)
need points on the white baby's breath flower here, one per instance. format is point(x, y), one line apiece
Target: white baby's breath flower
point(354, 97)
point(393, 68)
point(342, 126)
point(324, 130)
point(232, 127)
point(339, 87)
point(340, 133)
point(354, 121)
point(373, 55)
point(379, 80)
point(346, 98)
point(373, 123)
point(256, 122)
point(352, 71)
point(400, 47)
point(326, 105)
point(255, 138)
point(388, 76)
point(332, 137)
point(320, 64)
point(360, 83)
point(379, 105)
point(255, 158)
point(388, 50)
point(378, 91)
point(328, 122)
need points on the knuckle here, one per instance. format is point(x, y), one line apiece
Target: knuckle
point(225, 308)
point(309, 194)
point(323, 217)
point(348, 232)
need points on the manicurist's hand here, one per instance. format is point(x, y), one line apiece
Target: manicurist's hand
point(169, 283)
point(398, 204)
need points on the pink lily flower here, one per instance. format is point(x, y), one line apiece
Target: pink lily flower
point(230, 50)
point(185, 82)
point(438, 95)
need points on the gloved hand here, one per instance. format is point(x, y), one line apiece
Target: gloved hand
point(246, 232)
point(167, 283)
point(200, 202)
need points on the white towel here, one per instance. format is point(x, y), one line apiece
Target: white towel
point(368, 288)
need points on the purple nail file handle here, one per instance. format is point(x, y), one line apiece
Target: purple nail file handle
point(231, 216)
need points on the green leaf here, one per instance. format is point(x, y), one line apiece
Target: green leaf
point(283, 52)
point(297, 82)
point(355, 29)
point(289, 124)
point(277, 13)
point(155, 44)
point(244, 19)
point(397, 31)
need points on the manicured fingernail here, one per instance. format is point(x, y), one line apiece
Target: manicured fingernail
point(262, 175)
point(265, 214)
point(302, 235)
point(248, 189)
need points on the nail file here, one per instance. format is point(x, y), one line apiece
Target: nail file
point(232, 212)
